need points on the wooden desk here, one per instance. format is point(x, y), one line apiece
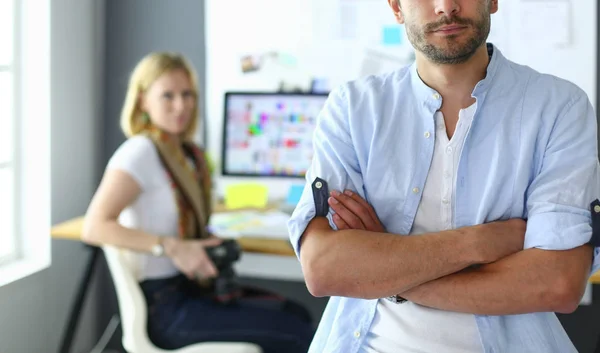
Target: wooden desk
point(595, 278)
point(72, 229)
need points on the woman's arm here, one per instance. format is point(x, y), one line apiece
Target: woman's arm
point(116, 191)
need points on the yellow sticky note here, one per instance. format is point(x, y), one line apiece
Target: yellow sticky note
point(246, 196)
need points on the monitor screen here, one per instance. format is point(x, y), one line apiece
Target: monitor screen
point(269, 134)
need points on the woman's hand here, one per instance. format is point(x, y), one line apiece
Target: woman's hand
point(352, 212)
point(190, 257)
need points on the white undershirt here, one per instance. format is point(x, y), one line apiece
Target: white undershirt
point(408, 327)
point(154, 211)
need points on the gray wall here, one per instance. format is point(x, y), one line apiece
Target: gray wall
point(135, 28)
point(33, 309)
point(583, 326)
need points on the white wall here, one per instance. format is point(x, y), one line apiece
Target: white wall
point(233, 31)
point(310, 30)
point(34, 310)
point(575, 62)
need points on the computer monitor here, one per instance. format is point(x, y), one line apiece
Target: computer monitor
point(269, 134)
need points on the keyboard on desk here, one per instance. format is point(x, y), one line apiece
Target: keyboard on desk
point(257, 224)
point(265, 232)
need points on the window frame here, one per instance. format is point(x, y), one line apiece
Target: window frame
point(30, 69)
point(10, 165)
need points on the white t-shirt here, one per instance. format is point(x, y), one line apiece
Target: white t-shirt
point(409, 327)
point(155, 210)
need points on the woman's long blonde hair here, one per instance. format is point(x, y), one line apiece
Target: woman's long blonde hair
point(148, 70)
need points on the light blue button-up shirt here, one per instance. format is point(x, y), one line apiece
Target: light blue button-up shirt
point(530, 153)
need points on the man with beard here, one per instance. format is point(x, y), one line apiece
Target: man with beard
point(479, 175)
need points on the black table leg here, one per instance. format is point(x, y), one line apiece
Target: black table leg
point(67, 340)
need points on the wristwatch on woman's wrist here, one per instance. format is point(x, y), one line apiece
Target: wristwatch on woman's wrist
point(158, 249)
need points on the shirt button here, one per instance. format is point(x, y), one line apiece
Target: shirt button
point(427, 134)
point(445, 201)
point(447, 175)
point(449, 149)
point(436, 96)
point(357, 334)
point(416, 190)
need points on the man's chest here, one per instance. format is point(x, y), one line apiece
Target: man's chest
point(477, 175)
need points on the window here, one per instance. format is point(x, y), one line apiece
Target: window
point(24, 138)
point(7, 131)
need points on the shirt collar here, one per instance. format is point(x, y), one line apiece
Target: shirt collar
point(432, 99)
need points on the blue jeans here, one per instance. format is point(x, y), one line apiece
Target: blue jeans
point(180, 314)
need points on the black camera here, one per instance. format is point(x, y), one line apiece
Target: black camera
point(226, 286)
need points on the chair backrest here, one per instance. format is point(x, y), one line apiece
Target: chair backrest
point(132, 304)
point(134, 313)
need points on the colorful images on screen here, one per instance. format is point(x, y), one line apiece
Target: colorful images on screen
point(270, 134)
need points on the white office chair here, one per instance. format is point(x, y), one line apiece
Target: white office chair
point(132, 307)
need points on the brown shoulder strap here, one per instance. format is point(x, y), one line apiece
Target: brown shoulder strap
point(202, 166)
point(187, 184)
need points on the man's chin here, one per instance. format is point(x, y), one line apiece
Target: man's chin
point(448, 57)
point(448, 53)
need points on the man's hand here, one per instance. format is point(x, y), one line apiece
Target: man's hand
point(353, 212)
point(490, 289)
point(494, 240)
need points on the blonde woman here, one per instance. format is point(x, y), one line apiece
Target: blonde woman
point(139, 206)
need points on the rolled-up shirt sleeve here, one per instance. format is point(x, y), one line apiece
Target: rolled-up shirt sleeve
point(559, 198)
point(334, 160)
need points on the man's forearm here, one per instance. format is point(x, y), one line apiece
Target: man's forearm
point(363, 264)
point(529, 281)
